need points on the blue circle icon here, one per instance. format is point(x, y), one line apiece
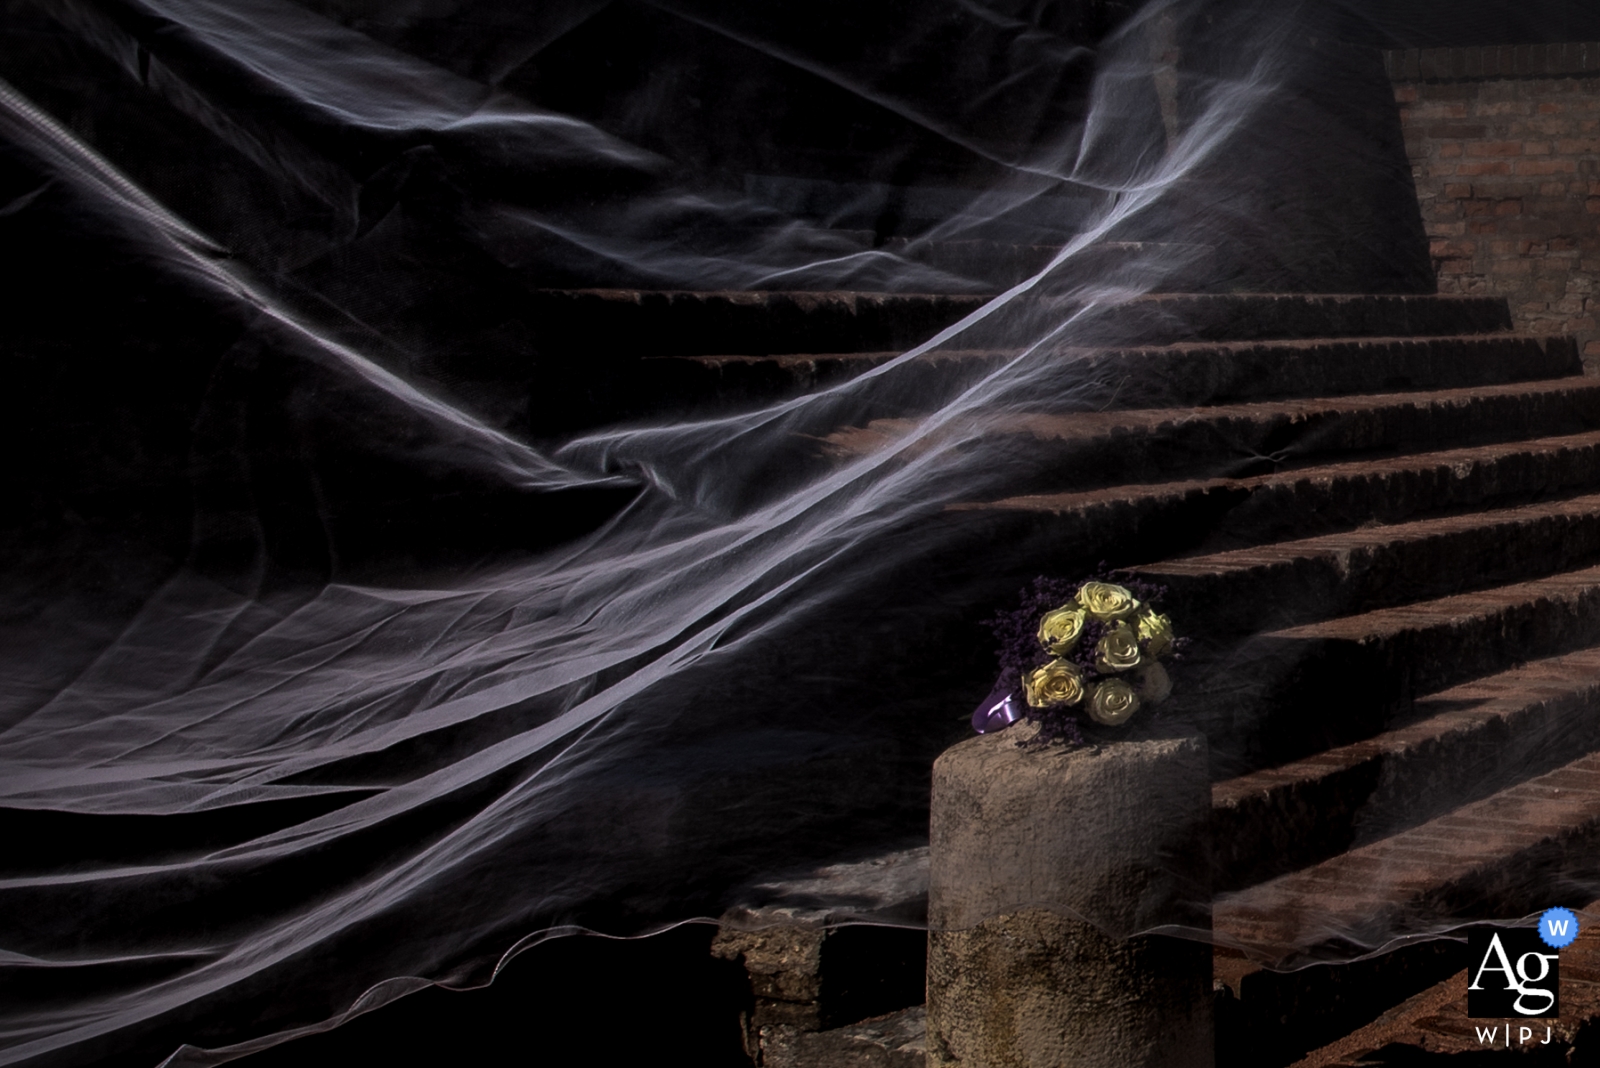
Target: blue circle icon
point(1558, 927)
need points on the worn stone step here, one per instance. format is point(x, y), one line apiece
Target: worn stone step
point(684, 323)
point(1514, 853)
point(1289, 693)
point(812, 967)
point(1168, 519)
point(1168, 317)
point(629, 378)
point(1086, 449)
point(897, 1040)
point(1461, 744)
point(1288, 583)
point(1229, 372)
point(1262, 316)
point(1435, 1020)
point(1266, 1018)
point(1508, 854)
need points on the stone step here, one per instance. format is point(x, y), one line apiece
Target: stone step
point(897, 1040)
point(811, 968)
point(1167, 519)
point(1508, 854)
point(1461, 745)
point(1082, 450)
point(1168, 317)
point(623, 371)
point(1229, 372)
point(1289, 583)
point(748, 324)
point(1290, 693)
point(1266, 1019)
point(1514, 853)
point(1435, 1020)
point(1266, 316)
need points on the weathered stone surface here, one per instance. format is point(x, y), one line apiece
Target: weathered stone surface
point(812, 967)
point(1254, 316)
point(1028, 844)
point(1464, 744)
point(1266, 1019)
point(1082, 450)
point(1173, 517)
point(1499, 856)
point(898, 1040)
point(1158, 376)
point(1294, 582)
point(1034, 988)
point(1435, 1020)
point(889, 888)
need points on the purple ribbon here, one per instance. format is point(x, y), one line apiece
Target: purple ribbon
point(997, 712)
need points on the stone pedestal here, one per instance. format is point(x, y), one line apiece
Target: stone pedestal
point(1043, 862)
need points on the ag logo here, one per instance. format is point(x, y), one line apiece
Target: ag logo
point(1512, 972)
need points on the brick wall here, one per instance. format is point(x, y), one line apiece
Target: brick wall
point(1505, 151)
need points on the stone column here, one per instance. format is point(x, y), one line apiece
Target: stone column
point(1027, 845)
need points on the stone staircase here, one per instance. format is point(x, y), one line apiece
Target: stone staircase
point(1379, 514)
point(1379, 518)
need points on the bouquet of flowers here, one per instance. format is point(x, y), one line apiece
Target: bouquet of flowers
point(1095, 653)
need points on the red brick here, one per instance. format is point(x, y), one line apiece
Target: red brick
point(1461, 190)
point(1484, 226)
point(1504, 107)
point(1450, 150)
point(1455, 131)
point(1544, 166)
point(1468, 170)
point(1508, 207)
point(1544, 109)
point(1494, 148)
point(1449, 250)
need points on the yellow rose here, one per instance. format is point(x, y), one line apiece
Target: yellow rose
point(1059, 630)
point(1118, 649)
point(1113, 702)
point(1105, 601)
point(1057, 683)
point(1156, 630)
point(1154, 683)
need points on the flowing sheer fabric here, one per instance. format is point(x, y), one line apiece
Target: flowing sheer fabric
point(326, 676)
